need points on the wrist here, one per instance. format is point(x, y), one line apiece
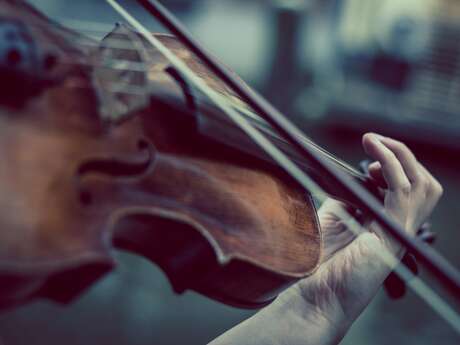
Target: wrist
point(289, 320)
point(340, 292)
point(320, 316)
point(393, 246)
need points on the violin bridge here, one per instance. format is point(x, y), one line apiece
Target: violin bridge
point(120, 76)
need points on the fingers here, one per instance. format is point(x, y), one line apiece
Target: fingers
point(418, 176)
point(407, 159)
point(375, 171)
point(411, 190)
point(391, 167)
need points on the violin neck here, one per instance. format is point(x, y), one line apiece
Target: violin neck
point(218, 127)
point(213, 124)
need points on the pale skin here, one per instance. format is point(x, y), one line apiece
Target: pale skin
point(321, 308)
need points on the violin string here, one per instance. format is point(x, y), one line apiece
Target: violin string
point(130, 66)
point(118, 64)
point(126, 65)
point(124, 44)
point(414, 282)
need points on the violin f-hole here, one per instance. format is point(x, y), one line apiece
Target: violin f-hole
point(116, 167)
point(113, 166)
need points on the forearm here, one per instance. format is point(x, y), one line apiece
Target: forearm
point(290, 319)
point(355, 282)
point(317, 311)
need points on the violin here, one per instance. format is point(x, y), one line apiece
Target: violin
point(106, 145)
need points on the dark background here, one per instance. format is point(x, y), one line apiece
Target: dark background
point(305, 56)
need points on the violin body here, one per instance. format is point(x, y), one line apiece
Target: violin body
point(89, 170)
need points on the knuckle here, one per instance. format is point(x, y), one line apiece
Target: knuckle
point(401, 148)
point(438, 190)
point(405, 189)
point(389, 156)
point(420, 180)
point(424, 184)
point(434, 190)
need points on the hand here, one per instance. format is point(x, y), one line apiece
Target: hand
point(411, 191)
point(352, 269)
point(410, 194)
point(321, 308)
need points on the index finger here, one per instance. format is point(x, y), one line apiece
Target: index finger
point(392, 169)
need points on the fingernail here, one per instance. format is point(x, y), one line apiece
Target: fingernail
point(374, 137)
point(379, 136)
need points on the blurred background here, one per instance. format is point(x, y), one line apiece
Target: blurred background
point(338, 68)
